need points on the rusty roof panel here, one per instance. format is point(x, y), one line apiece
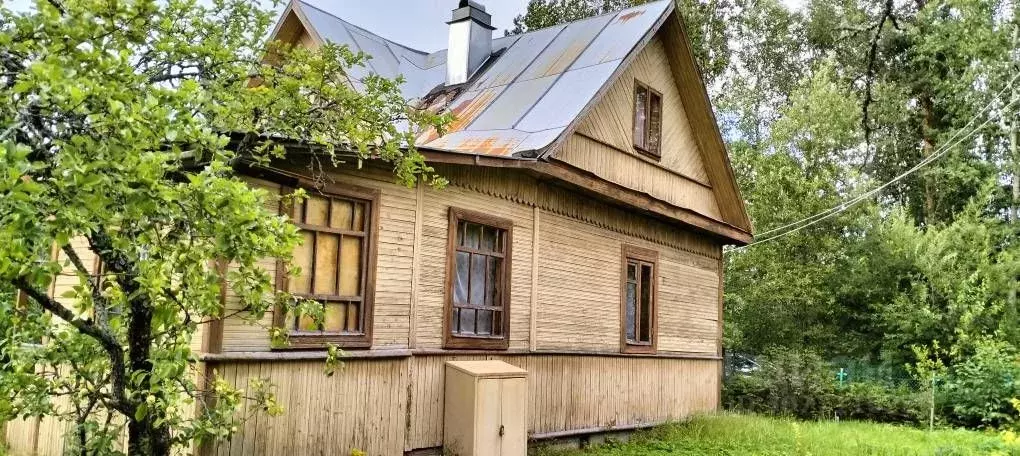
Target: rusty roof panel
point(467, 107)
point(565, 100)
point(536, 84)
point(562, 52)
point(501, 143)
point(515, 101)
point(622, 34)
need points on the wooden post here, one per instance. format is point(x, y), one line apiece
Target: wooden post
point(412, 328)
point(533, 330)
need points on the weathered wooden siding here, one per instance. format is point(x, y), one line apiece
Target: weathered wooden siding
point(580, 392)
point(362, 406)
point(604, 141)
point(579, 246)
point(19, 436)
point(634, 172)
point(393, 271)
point(579, 291)
point(431, 282)
point(384, 407)
point(391, 405)
point(45, 436)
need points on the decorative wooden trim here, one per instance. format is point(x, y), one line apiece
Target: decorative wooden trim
point(373, 206)
point(419, 218)
point(698, 107)
point(620, 194)
point(533, 320)
point(315, 355)
point(643, 148)
point(584, 181)
point(460, 342)
point(592, 221)
point(629, 252)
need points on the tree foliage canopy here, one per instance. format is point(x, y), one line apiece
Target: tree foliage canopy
point(121, 125)
point(822, 103)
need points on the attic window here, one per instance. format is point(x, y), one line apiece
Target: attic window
point(647, 120)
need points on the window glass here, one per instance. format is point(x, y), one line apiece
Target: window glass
point(640, 116)
point(647, 120)
point(638, 319)
point(477, 300)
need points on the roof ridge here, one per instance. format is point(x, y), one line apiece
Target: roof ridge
point(360, 28)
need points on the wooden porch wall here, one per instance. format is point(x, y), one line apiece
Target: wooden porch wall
point(385, 407)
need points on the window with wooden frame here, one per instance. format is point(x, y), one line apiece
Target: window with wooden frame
point(647, 120)
point(336, 260)
point(478, 281)
point(638, 300)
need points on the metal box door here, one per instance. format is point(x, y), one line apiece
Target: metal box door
point(514, 417)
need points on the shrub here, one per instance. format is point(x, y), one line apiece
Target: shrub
point(979, 389)
point(802, 385)
point(787, 383)
point(871, 401)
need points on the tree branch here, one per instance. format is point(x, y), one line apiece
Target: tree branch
point(89, 328)
point(869, 79)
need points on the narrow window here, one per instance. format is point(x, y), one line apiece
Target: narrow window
point(335, 268)
point(647, 120)
point(638, 301)
point(478, 281)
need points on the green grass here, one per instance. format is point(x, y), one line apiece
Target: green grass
point(750, 435)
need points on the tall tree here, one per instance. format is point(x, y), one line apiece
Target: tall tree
point(120, 125)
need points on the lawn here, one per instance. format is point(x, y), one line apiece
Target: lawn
point(750, 435)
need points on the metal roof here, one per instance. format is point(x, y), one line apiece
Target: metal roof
point(534, 87)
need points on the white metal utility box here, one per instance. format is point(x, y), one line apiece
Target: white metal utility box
point(486, 410)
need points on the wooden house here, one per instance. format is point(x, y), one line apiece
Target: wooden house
point(580, 239)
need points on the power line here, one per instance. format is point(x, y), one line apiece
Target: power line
point(920, 164)
point(843, 207)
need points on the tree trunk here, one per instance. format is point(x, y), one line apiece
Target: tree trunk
point(1014, 136)
point(146, 439)
point(927, 142)
point(144, 436)
point(927, 149)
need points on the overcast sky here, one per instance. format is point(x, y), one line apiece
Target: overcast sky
point(420, 24)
